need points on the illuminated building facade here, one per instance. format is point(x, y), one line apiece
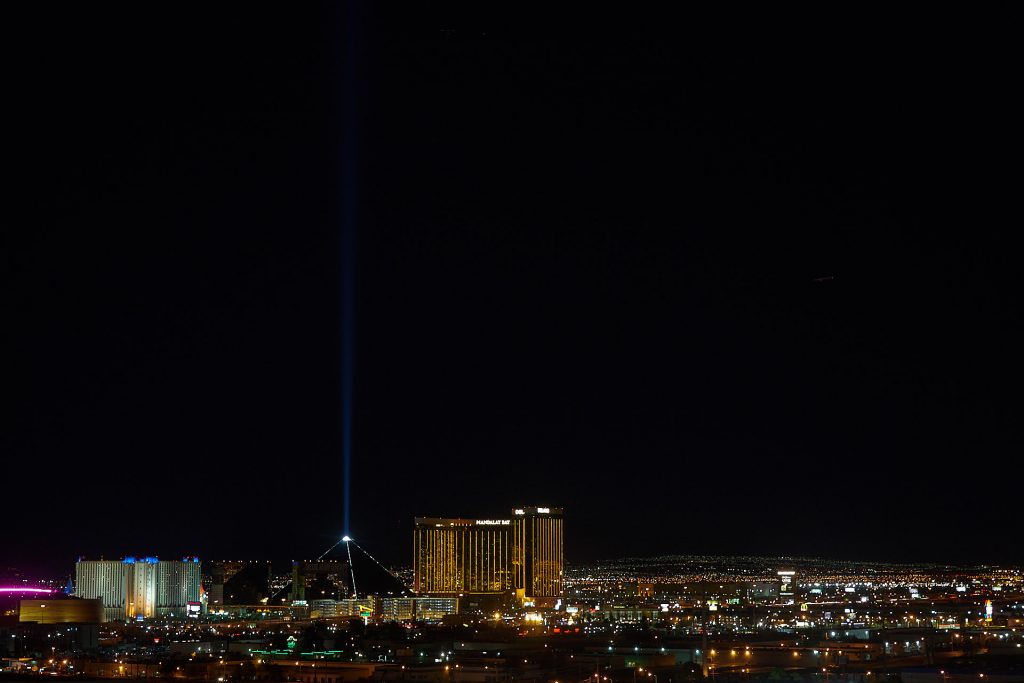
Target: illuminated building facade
point(106, 580)
point(321, 609)
point(407, 609)
point(57, 611)
point(436, 608)
point(179, 587)
point(141, 588)
point(141, 599)
point(454, 556)
point(787, 584)
point(522, 555)
point(538, 555)
point(397, 609)
point(363, 607)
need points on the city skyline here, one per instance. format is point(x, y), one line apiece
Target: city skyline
point(682, 619)
point(663, 562)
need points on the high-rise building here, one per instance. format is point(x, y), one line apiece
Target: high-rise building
point(141, 588)
point(538, 555)
point(179, 587)
point(141, 598)
point(521, 555)
point(456, 556)
point(106, 580)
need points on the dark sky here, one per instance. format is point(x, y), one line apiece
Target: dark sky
point(713, 288)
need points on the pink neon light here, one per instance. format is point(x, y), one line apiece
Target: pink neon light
point(25, 590)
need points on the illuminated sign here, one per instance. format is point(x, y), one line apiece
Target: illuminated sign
point(520, 512)
point(493, 522)
point(988, 610)
point(543, 511)
point(786, 579)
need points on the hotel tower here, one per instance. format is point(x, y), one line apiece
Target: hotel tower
point(521, 556)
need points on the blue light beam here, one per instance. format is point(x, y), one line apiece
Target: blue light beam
point(348, 192)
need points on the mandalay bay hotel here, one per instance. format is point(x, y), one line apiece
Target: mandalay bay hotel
point(491, 563)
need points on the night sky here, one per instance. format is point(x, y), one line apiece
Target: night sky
point(712, 289)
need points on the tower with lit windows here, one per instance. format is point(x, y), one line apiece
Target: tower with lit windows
point(141, 588)
point(522, 555)
point(538, 556)
point(453, 556)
